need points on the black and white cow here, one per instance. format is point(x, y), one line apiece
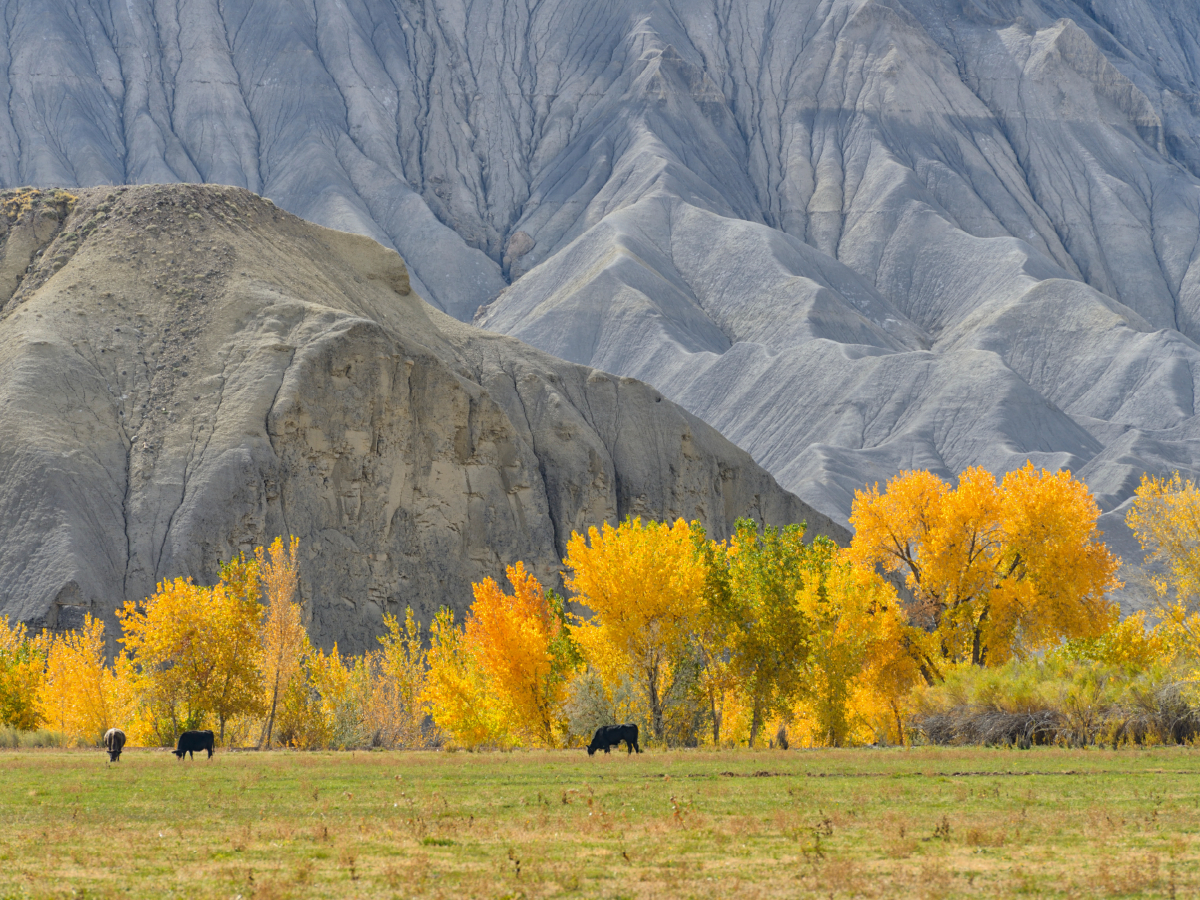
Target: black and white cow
point(114, 740)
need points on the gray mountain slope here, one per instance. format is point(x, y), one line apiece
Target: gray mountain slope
point(856, 236)
point(186, 372)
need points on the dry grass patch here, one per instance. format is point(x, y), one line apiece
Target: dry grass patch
point(540, 825)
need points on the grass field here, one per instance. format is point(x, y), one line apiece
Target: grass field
point(874, 823)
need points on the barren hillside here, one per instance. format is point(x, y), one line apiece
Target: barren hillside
point(187, 371)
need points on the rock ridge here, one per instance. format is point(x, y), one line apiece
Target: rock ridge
point(188, 371)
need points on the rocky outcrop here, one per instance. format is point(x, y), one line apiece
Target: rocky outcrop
point(186, 372)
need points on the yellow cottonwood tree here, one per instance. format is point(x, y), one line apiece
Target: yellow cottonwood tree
point(22, 668)
point(284, 640)
point(397, 708)
point(342, 686)
point(644, 585)
point(995, 570)
point(194, 649)
point(79, 695)
point(168, 640)
point(522, 647)
point(1165, 516)
point(711, 632)
point(235, 619)
point(856, 672)
point(457, 691)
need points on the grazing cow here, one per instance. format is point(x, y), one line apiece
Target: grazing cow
point(191, 741)
point(611, 736)
point(114, 740)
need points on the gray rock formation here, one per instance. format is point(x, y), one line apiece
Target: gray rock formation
point(186, 372)
point(856, 236)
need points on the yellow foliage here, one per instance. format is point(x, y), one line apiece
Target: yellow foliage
point(22, 668)
point(1165, 516)
point(858, 670)
point(343, 693)
point(284, 641)
point(457, 692)
point(517, 642)
point(768, 634)
point(397, 710)
point(644, 586)
point(1130, 644)
point(80, 695)
point(195, 651)
point(996, 570)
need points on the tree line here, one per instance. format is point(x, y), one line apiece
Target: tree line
point(751, 640)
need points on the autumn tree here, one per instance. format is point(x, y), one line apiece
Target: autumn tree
point(521, 644)
point(79, 693)
point(644, 586)
point(457, 691)
point(397, 708)
point(341, 689)
point(1165, 516)
point(22, 668)
point(994, 569)
point(711, 630)
point(857, 671)
point(284, 640)
point(194, 649)
point(236, 620)
point(769, 635)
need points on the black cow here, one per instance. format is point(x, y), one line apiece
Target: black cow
point(611, 736)
point(114, 740)
point(191, 741)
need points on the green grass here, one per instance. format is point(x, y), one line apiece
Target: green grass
point(877, 823)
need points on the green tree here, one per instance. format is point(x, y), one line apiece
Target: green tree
point(768, 634)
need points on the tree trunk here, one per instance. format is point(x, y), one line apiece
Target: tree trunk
point(712, 700)
point(755, 721)
point(978, 651)
point(271, 717)
point(656, 711)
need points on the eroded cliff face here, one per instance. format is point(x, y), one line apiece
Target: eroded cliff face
point(186, 372)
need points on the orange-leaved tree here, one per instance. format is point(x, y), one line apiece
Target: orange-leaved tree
point(995, 569)
point(284, 640)
point(22, 668)
point(522, 646)
point(645, 585)
point(457, 691)
point(79, 696)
